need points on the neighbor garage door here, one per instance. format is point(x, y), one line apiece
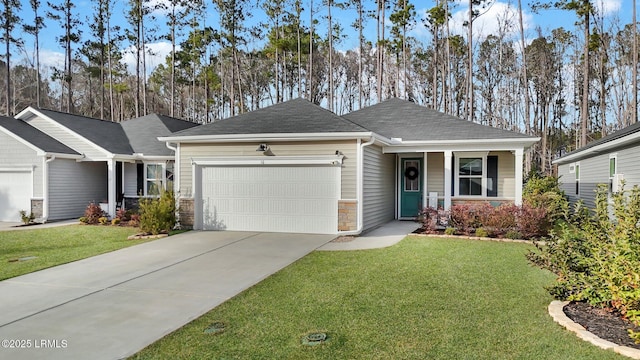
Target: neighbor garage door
point(274, 198)
point(15, 194)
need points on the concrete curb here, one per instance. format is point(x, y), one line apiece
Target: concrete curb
point(557, 313)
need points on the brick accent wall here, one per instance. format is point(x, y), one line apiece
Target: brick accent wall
point(37, 206)
point(347, 215)
point(186, 211)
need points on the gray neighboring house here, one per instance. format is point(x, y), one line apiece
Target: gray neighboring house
point(296, 167)
point(54, 164)
point(608, 160)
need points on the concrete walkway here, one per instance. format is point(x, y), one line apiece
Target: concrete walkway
point(112, 305)
point(387, 235)
point(10, 226)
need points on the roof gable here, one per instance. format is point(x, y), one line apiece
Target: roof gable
point(397, 118)
point(603, 143)
point(105, 134)
point(290, 117)
point(143, 133)
point(36, 138)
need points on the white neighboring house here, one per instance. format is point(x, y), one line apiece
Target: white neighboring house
point(296, 167)
point(54, 164)
point(605, 161)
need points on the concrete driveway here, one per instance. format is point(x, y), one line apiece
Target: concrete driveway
point(112, 305)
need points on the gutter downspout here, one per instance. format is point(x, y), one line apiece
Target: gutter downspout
point(359, 186)
point(45, 188)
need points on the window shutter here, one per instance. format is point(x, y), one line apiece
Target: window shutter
point(140, 179)
point(492, 176)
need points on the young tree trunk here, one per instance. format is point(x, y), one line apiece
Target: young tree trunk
point(584, 114)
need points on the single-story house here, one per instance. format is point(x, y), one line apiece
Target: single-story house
point(54, 164)
point(296, 167)
point(608, 160)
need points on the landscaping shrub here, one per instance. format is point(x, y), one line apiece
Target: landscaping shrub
point(596, 257)
point(432, 219)
point(134, 220)
point(158, 214)
point(92, 214)
point(464, 218)
point(481, 232)
point(103, 220)
point(27, 219)
point(502, 219)
point(533, 221)
point(450, 231)
point(545, 192)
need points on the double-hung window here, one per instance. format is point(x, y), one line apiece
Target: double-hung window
point(613, 170)
point(470, 175)
point(154, 179)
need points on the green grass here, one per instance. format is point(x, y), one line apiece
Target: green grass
point(58, 245)
point(421, 299)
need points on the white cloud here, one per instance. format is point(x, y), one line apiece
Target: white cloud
point(156, 55)
point(607, 7)
point(51, 59)
point(498, 17)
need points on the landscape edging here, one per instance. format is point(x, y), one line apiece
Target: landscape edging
point(556, 310)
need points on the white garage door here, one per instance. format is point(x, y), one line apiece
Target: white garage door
point(288, 198)
point(15, 194)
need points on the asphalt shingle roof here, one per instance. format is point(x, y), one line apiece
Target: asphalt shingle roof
point(293, 116)
point(143, 133)
point(106, 134)
point(397, 118)
point(34, 136)
point(633, 128)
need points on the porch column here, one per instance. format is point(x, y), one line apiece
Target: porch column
point(519, 162)
point(425, 202)
point(448, 172)
point(111, 186)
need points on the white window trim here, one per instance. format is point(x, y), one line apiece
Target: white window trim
point(613, 156)
point(146, 176)
point(456, 171)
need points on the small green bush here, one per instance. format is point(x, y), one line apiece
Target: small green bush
point(481, 232)
point(103, 220)
point(158, 214)
point(450, 231)
point(84, 220)
point(27, 219)
point(545, 193)
point(513, 235)
point(115, 221)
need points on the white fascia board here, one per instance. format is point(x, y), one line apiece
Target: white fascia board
point(598, 149)
point(64, 156)
point(266, 137)
point(24, 114)
point(154, 157)
point(467, 145)
point(268, 160)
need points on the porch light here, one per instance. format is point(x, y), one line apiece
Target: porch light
point(263, 147)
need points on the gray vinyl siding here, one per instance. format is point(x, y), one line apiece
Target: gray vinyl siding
point(17, 154)
point(66, 137)
point(347, 148)
point(595, 170)
point(73, 185)
point(378, 187)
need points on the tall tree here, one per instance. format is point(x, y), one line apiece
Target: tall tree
point(38, 25)
point(68, 19)
point(10, 20)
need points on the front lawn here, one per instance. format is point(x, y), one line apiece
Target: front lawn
point(43, 248)
point(424, 298)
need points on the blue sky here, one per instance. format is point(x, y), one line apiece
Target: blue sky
point(499, 13)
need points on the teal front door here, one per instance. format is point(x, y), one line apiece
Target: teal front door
point(411, 187)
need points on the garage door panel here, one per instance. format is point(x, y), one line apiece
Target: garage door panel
point(15, 194)
point(271, 198)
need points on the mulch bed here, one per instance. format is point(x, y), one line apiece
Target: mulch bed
point(602, 323)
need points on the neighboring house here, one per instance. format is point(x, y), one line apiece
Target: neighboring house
point(295, 167)
point(608, 161)
point(54, 164)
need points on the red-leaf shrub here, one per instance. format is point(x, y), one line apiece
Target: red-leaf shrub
point(533, 221)
point(428, 217)
point(465, 218)
point(93, 213)
point(502, 219)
